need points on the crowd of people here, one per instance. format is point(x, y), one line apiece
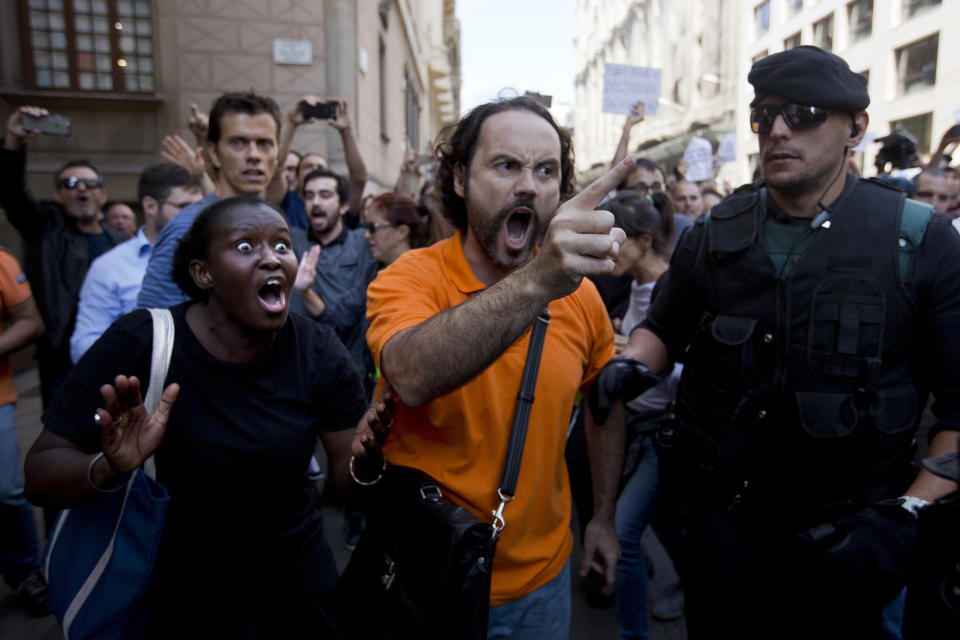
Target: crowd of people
point(744, 370)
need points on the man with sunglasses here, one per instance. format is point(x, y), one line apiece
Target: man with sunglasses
point(61, 241)
point(814, 312)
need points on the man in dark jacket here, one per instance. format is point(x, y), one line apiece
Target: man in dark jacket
point(61, 240)
point(814, 312)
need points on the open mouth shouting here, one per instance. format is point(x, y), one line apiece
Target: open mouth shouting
point(273, 295)
point(518, 227)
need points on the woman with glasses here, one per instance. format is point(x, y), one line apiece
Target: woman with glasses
point(394, 224)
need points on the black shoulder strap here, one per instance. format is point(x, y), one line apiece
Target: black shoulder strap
point(521, 417)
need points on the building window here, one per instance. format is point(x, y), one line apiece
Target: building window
point(823, 33)
point(920, 127)
point(860, 17)
point(383, 90)
point(760, 56)
point(917, 64)
point(794, 7)
point(792, 42)
point(913, 7)
point(89, 45)
point(411, 112)
point(761, 14)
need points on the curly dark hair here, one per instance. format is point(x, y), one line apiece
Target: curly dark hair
point(459, 143)
point(195, 244)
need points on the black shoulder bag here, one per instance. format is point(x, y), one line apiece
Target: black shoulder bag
point(422, 566)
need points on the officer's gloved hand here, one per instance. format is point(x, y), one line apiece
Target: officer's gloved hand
point(862, 557)
point(620, 377)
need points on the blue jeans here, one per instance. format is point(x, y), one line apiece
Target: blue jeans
point(634, 509)
point(18, 531)
point(545, 613)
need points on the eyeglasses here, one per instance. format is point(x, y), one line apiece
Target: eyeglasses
point(797, 116)
point(72, 182)
point(653, 187)
point(372, 227)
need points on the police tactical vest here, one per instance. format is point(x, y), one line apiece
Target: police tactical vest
point(800, 386)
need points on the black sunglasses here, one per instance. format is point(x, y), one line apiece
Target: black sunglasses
point(73, 181)
point(372, 227)
point(797, 116)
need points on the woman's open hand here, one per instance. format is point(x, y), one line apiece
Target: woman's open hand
point(130, 435)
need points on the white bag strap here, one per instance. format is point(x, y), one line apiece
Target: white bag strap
point(163, 333)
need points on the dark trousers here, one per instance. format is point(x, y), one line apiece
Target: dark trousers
point(742, 581)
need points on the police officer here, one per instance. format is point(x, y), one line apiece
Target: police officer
point(814, 311)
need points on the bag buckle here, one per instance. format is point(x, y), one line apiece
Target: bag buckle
point(390, 575)
point(431, 493)
point(498, 522)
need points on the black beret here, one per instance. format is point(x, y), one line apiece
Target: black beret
point(811, 76)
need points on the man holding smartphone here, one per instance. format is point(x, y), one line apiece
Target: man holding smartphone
point(61, 240)
point(336, 112)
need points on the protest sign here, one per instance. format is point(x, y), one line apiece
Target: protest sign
point(624, 85)
point(699, 159)
point(727, 151)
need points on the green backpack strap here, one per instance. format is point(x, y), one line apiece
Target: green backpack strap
point(913, 224)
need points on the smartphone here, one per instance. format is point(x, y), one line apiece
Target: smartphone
point(51, 125)
point(321, 110)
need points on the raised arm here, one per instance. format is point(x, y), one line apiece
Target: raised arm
point(356, 169)
point(408, 181)
point(448, 349)
point(636, 115)
point(23, 212)
point(176, 150)
point(951, 137)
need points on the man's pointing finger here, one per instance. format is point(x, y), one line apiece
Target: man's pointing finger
point(591, 197)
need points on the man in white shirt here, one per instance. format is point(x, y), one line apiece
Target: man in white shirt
point(112, 283)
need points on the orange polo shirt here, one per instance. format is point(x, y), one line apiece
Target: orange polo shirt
point(14, 290)
point(461, 438)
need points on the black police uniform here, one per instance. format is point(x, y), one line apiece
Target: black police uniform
point(799, 400)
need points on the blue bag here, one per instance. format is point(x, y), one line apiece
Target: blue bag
point(100, 557)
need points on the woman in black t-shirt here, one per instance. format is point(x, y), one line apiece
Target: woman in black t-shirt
point(250, 388)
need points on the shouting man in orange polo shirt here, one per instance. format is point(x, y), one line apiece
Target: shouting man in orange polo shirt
point(449, 329)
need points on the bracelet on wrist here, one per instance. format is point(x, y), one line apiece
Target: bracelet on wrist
point(353, 473)
point(90, 476)
point(346, 132)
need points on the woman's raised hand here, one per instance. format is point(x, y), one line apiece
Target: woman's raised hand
point(129, 434)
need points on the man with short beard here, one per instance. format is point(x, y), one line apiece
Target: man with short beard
point(449, 327)
point(61, 241)
point(343, 264)
point(814, 311)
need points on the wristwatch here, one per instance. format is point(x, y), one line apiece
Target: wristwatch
point(911, 504)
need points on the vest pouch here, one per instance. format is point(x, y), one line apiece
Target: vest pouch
point(893, 415)
point(729, 356)
point(846, 328)
point(822, 458)
point(826, 415)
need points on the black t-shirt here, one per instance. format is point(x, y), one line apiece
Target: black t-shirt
point(97, 244)
point(239, 439)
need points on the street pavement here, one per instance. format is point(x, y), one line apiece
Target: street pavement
point(587, 623)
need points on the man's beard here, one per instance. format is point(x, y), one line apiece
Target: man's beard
point(487, 233)
point(332, 219)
